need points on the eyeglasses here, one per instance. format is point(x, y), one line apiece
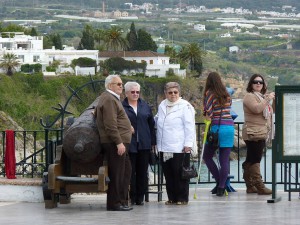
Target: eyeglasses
point(257, 82)
point(135, 92)
point(119, 84)
point(173, 92)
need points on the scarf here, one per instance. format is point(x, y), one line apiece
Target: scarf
point(267, 113)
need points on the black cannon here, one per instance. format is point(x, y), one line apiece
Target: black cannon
point(79, 165)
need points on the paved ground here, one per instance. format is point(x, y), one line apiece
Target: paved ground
point(237, 208)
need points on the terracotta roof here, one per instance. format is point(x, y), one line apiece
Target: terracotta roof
point(123, 54)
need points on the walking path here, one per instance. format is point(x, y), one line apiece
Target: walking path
point(237, 208)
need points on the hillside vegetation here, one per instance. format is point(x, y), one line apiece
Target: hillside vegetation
point(28, 98)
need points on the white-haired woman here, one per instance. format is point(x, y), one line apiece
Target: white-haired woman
point(143, 138)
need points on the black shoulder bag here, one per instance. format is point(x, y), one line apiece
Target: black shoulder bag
point(213, 137)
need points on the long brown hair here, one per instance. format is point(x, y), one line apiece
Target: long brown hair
point(215, 85)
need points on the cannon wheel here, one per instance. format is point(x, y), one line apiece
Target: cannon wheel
point(50, 198)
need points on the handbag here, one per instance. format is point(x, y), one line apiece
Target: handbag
point(256, 133)
point(213, 137)
point(188, 172)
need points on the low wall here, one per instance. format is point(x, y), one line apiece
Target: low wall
point(21, 190)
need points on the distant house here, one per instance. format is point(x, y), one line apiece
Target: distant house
point(199, 27)
point(236, 29)
point(157, 64)
point(233, 49)
point(173, 19)
point(225, 35)
point(29, 50)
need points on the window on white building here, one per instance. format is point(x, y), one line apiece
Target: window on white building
point(36, 58)
point(7, 45)
point(21, 58)
point(151, 61)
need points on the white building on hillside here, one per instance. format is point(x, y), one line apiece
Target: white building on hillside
point(157, 64)
point(199, 27)
point(30, 50)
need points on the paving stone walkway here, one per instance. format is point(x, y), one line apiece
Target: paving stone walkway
point(237, 208)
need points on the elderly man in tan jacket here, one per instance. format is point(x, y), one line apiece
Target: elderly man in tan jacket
point(115, 136)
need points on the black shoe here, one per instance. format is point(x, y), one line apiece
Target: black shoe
point(220, 191)
point(120, 208)
point(139, 203)
point(214, 190)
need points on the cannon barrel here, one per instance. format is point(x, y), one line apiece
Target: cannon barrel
point(81, 141)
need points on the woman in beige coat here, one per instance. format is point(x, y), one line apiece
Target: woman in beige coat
point(258, 114)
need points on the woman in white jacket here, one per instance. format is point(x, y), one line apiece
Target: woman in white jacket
point(175, 122)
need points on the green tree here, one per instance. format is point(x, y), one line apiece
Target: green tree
point(145, 41)
point(296, 44)
point(192, 54)
point(13, 28)
point(33, 32)
point(114, 39)
point(47, 42)
point(56, 41)
point(87, 40)
point(118, 65)
point(99, 36)
point(171, 52)
point(132, 38)
point(52, 40)
point(84, 62)
point(9, 62)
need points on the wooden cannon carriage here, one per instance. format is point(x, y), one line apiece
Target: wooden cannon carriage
point(79, 166)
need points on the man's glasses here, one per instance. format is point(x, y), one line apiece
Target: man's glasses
point(257, 82)
point(135, 92)
point(119, 84)
point(173, 92)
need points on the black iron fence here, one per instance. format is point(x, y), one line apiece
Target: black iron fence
point(35, 150)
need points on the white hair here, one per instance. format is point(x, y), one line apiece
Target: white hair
point(131, 84)
point(108, 80)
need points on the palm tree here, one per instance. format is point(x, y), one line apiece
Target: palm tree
point(9, 62)
point(171, 52)
point(114, 40)
point(192, 54)
point(99, 36)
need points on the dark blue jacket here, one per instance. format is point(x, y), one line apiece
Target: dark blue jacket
point(143, 124)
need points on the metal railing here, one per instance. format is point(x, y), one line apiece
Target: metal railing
point(34, 151)
point(34, 156)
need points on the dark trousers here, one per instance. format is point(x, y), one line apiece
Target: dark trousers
point(177, 188)
point(255, 151)
point(139, 175)
point(220, 174)
point(119, 172)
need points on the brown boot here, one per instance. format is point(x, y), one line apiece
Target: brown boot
point(248, 179)
point(254, 170)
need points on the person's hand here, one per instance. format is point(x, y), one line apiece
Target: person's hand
point(121, 149)
point(187, 149)
point(207, 118)
point(270, 96)
point(153, 149)
point(132, 129)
